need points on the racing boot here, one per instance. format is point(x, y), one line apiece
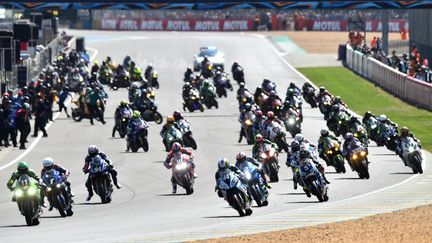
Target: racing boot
point(113, 131)
point(90, 195)
point(295, 183)
point(240, 136)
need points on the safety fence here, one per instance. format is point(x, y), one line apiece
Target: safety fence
point(399, 84)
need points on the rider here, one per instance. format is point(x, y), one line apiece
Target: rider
point(273, 97)
point(93, 99)
point(148, 71)
point(223, 165)
point(166, 128)
point(325, 136)
point(305, 157)
point(244, 113)
point(258, 125)
point(188, 74)
point(293, 86)
point(23, 169)
point(349, 142)
point(242, 160)
point(123, 108)
point(322, 92)
point(207, 89)
point(48, 166)
point(176, 147)
point(259, 144)
point(403, 138)
point(93, 151)
point(270, 119)
point(268, 85)
point(134, 124)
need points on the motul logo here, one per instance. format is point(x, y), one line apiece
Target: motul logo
point(178, 25)
point(128, 25)
point(235, 25)
point(207, 25)
point(327, 25)
point(109, 24)
point(151, 25)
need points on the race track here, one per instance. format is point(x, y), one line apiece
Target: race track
point(144, 207)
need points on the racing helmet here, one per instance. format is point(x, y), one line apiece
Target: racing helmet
point(299, 137)
point(382, 118)
point(223, 163)
point(176, 147)
point(93, 150)
point(48, 163)
point(324, 132)
point(241, 156)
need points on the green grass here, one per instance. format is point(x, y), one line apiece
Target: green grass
point(360, 95)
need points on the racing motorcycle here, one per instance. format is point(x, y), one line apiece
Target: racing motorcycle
point(209, 98)
point(390, 137)
point(105, 75)
point(121, 80)
point(231, 189)
point(194, 102)
point(138, 138)
point(247, 127)
point(238, 74)
point(186, 131)
point(173, 135)
point(101, 180)
point(268, 156)
point(359, 132)
point(309, 96)
point(154, 79)
point(413, 157)
point(222, 83)
point(313, 181)
point(57, 194)
point(291, 121)
point(324, 105)
point(80, 113)
point(334, 155)
point(151, 113)
point(124, 120)
point(27, 196)
point(359, 161)
point(182, 171)
point(277, 134)
point(372, 128)
point(256, 186)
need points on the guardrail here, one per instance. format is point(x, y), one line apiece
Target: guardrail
point(399, 84)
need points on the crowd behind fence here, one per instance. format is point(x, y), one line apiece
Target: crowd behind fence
point(395, 82)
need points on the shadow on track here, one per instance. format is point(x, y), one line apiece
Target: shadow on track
point(89, 203)
point(348, 178)
point(401, 173)
point(291, 193)
point(305, 202)
point(172, 195)
point(14, 226)
point(222, 217)
point(51, 217)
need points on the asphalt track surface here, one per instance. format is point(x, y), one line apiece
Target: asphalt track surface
point(145, 207)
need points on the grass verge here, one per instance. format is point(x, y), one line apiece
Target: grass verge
point(360, 95)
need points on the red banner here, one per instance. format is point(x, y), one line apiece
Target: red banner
point(177, 25)
point(342, 25)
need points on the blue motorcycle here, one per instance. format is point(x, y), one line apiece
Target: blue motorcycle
point(256, 187)
point(56, 192)
point(100, 179)
point(312, 179)
point(232, 189)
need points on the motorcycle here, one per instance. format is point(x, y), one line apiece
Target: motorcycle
point(390, 137)
point(269, 157)
point(209, 98)
point(173, 135)
point(277, 134)
point(138, 138)
point(334, 155)
point(120, 81)
point(154, 79)
point(291, 121)
point(359, 162)
point(309, 96)
point(182, 170)
point(324, 105)
point(412, 155)
point(313, 181)
point(151, 113)
point(80, 113)
point(105, 75)
point(122, 125)
point(186, 131)
point(238, 75)
point(222, 83)
point(359, 132)
point(256, 186)
point(27, 195)
point(75, 82)
point(372, 128)
point(101, 180)
point(231, 187)
point(247, 127)
point(194, 102)
point(57, 194)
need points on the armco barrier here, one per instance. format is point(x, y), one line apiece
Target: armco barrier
point(399, 84)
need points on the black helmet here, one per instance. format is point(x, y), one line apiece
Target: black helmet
point(292, 85)
point(242, 85)
point(295, 146)
point(322, 89)
point(335, 108)
point(324, 132)
point(353, 119)
point(368, 114)
point(304, 154)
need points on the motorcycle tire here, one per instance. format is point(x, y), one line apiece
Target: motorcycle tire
point(189, 190)
point(339, 164)
point(201, 107)
point(417, 165)
point(59, 207)
point(274, 177)
point(314, 189)
point(256, 196)
point(325, 197)
point(76, 115)
point(102, 193)
point(134, 148)
point(216, 104)
point(69, 212)
point(157, 117)
point(145, 145)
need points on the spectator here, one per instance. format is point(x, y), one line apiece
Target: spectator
point(23, 124)
point(41, 111)
point(374, 43)
point(425, 62)
point(394, 59)
point(403, 33)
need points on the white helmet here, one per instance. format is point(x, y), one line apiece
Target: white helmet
point(382, 118)
point(223, 163)
point(48, 163)
point(299, 137)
